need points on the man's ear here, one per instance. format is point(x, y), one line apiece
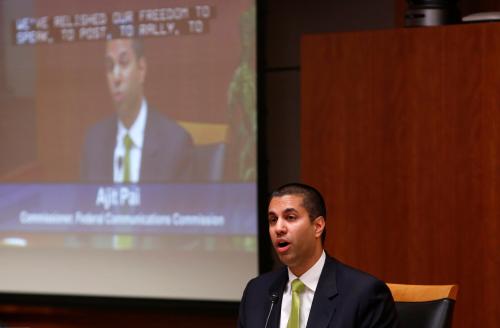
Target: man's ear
point(142, 69)
point(319, 225)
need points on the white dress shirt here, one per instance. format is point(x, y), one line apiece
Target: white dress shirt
point(310, 279)
point(136, 133)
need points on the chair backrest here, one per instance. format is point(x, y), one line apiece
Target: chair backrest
point(209, 162)
point(424, 306)
point(205, 133)
point(209, 151)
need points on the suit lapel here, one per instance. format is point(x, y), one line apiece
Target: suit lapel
point(325, 301)
point(149, 149)
point(277, 288)
point(108, 147)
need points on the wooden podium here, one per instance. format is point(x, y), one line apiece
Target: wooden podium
point(400, 129)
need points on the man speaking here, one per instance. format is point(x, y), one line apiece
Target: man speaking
point(314, 290)
point(136, 144)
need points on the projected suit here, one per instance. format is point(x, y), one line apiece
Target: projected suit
point(161, 147)
point(166, 155)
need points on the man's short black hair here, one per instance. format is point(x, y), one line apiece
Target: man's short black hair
point(138, 47)
point(312, 200)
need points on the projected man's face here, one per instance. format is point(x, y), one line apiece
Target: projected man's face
point(126, 74)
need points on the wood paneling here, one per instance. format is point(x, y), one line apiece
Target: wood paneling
point(400, 132)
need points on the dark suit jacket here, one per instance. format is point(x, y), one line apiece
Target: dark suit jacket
point(344, 298)
point(166, 152)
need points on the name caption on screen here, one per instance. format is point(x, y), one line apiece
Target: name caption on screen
point(108, 197)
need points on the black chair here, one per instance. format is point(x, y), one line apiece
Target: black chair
point(424, 306)
point(209, 162)
point(209, 151)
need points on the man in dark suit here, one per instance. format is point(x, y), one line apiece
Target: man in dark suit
point(136, 144)
point(314, 290)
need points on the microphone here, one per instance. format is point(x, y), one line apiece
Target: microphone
point(274, 297)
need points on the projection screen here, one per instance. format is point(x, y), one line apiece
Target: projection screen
point(128, 140)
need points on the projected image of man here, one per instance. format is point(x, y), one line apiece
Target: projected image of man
point(136, 144)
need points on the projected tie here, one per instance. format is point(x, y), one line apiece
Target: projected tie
point(297, 288)
point(127, 142)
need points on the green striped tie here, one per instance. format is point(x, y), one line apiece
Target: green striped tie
point(127, 142)
point(297, 288)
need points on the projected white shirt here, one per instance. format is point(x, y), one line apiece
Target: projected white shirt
point(310, 278)
point(136, 133)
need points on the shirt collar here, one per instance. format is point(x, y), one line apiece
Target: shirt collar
point(310, 278)
point(136, 131)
